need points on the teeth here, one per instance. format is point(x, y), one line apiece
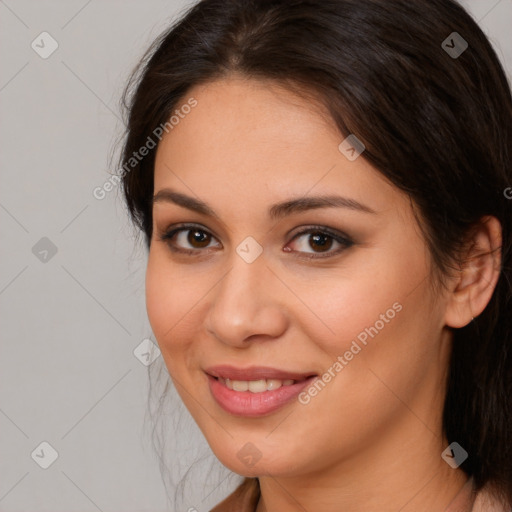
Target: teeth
point(240, 385)
point(256, 386)
point(274, 384)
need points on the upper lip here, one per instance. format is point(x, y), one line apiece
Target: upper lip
point(255, 373)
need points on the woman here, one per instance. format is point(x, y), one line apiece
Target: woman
point(322, 187)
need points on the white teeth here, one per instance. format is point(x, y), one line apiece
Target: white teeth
point(240, 385)
point(274, 384)
point(256, 386)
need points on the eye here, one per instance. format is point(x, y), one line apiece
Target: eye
point(188, 239)
point(314, 242)
point(318, 241)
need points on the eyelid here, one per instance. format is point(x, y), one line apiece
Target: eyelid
point(167, 234)
point(317, 228)
point(341, 238)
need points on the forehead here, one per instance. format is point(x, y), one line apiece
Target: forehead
point(242, 117)
point(247, 140)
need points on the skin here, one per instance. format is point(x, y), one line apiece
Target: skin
point(372, 438)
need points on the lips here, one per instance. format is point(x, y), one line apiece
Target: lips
point(255, 391)
point(255, 373)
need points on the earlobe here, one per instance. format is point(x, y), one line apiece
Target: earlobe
point(472, 289)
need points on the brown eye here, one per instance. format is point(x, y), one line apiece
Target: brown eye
point(189, 239)
point(198, 238)
point(320, 242)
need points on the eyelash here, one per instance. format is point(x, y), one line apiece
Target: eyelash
point(340, 238)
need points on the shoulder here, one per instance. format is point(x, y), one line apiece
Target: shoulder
point(246, 495)
point(243, 499)
point(486, 501)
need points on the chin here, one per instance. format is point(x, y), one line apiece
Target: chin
point(256, 458)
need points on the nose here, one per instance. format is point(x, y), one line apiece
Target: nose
point(246, 305)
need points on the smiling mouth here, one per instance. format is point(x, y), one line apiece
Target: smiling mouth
point(257, 386)
point(262, 391)
point(255, 373)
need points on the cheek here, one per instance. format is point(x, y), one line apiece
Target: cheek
point(161, 297)
point(355, 305)
point(383, 346)
point(376, 299)
point(370, 324)
point(170, 301)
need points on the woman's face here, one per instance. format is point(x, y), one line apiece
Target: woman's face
point(297, 269)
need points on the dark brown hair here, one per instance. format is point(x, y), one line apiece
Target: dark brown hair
point(437, 126)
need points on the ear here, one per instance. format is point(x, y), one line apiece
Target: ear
point(472, 288)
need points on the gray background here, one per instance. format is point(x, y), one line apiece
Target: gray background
point(70, 321)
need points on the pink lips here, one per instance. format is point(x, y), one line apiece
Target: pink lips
point(247, 403)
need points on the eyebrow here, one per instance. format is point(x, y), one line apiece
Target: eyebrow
point(276, 211)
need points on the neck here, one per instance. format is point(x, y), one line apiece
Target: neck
point(434, 495)
point(409, 476)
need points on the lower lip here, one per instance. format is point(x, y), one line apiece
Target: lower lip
point(248, 404)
